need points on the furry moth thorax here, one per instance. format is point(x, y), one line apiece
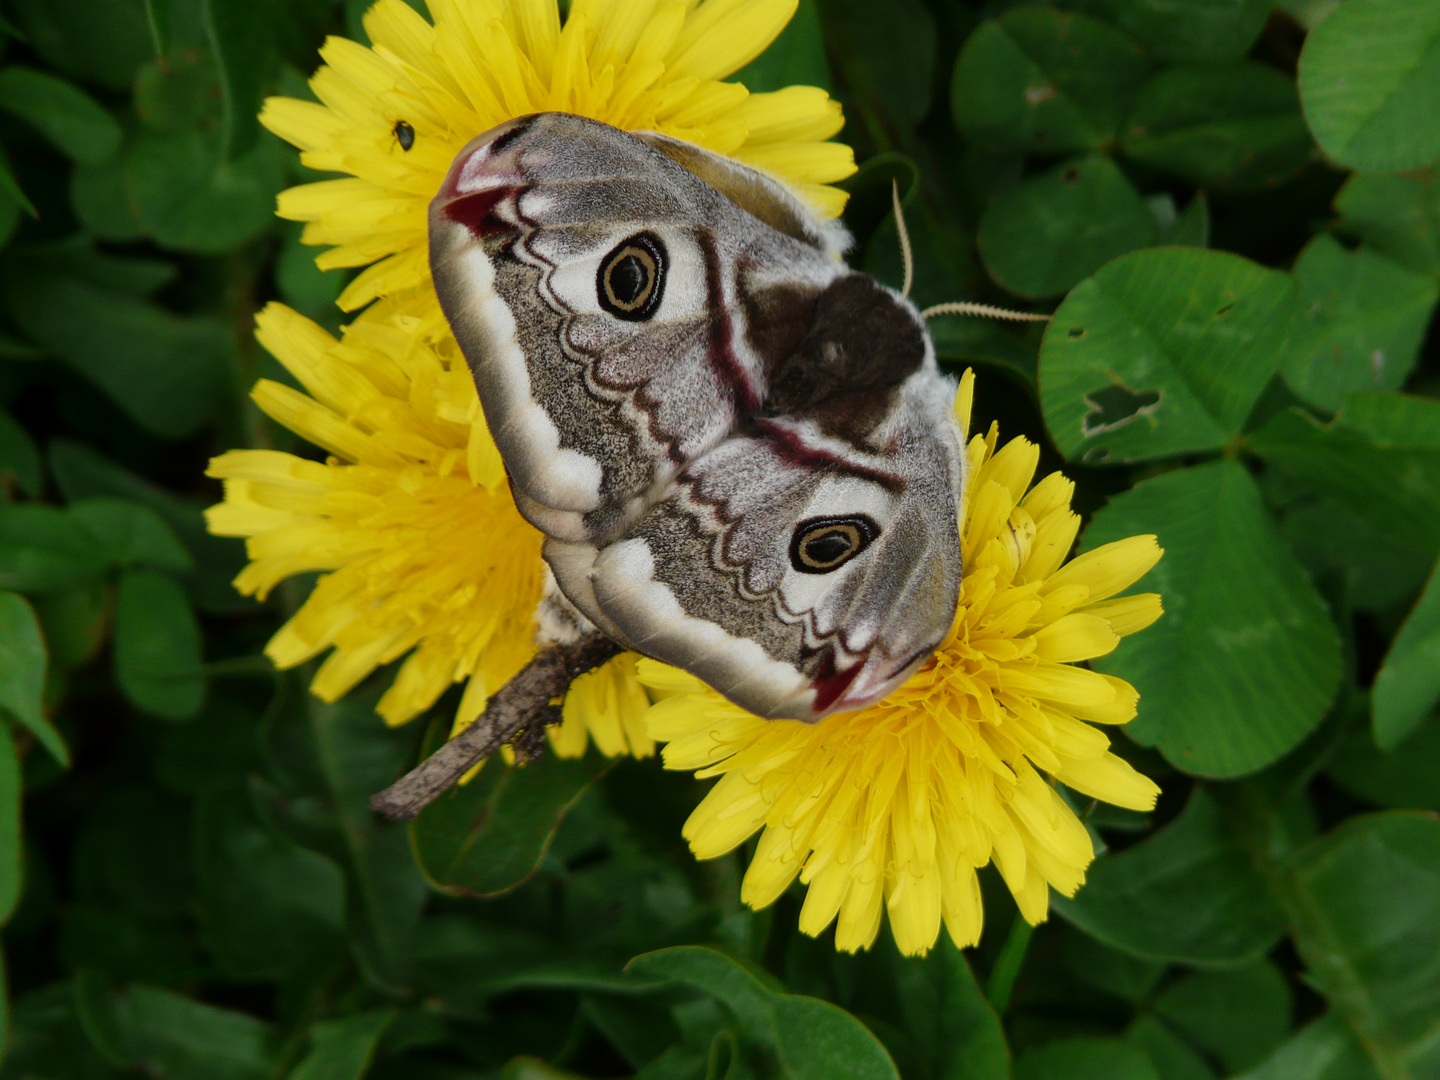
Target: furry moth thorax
point(741, 452)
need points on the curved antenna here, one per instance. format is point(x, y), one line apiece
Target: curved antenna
point(958, 307)
point(985, 311)
point(905, 252)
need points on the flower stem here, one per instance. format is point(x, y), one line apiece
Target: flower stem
point(1007, 965)
point(517, 713)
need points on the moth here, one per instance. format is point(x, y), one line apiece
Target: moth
point(741, 452)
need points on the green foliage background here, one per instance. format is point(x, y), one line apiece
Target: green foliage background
point(1236, 208)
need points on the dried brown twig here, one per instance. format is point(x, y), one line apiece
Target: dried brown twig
point(517, 714)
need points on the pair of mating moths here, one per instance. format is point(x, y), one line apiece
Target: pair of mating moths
point(741, 452)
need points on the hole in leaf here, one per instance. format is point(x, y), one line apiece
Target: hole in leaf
point(1115, 406)
point(1070, 175)
point(1075, 333)
point(1224, 310)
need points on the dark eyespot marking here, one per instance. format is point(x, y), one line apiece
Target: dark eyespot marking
point(821, 545)
point(404, 134)
point(631, 281)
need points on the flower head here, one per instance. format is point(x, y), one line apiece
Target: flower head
point(894, 807)
point(412, 523)
point(393, 116)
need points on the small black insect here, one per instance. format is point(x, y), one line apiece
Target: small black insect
point(404, 134)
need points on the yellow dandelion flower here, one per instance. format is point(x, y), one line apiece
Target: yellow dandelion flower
point(393, 116)
point(412, 523)
point(893, 808)
point(410, 518)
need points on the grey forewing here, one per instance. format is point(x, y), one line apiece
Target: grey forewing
point(679, 385)
point(587, 416)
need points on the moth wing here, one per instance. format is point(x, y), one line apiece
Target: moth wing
point(595, 407)
point(753, 192)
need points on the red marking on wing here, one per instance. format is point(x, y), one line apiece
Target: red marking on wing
point(829, 685)
point(477, 212)
point(723, 360)
point(792, 449)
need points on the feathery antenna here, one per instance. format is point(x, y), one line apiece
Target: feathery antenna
point(905, 252)
point(959, 307)
point(985, 311)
